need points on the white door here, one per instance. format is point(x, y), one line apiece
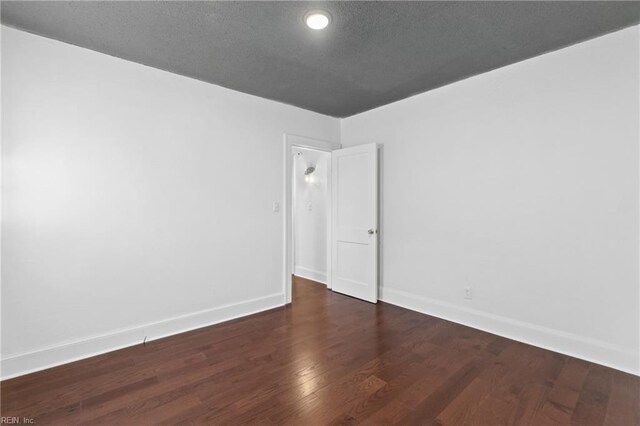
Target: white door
point(354, 240)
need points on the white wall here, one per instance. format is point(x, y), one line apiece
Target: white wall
point(135, 202)
point(123, 188)
point(521, 183)
point(310, 214)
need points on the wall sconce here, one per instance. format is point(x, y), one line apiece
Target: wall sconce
point(307, 174)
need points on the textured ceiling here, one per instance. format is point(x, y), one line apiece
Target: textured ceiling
point(373, 53)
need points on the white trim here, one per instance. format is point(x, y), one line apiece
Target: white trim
point(310, 274)
point(571, 344)
point(302, 142)
point(40, 359)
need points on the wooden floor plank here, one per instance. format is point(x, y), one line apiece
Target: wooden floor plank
point(328, 359)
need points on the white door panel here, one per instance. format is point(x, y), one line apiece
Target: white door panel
point(354, 269)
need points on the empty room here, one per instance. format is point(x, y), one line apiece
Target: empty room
point(310, 213)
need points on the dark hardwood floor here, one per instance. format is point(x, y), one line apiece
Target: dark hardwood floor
point(328, 359)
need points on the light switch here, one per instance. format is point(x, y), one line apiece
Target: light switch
point(309, 206)
point(276, 206)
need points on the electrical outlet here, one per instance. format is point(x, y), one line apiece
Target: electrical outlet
point(467, 292)
point(276, 207)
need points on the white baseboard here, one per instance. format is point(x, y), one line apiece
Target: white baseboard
point(310, 274)
point(577, 346)
point(40, 359)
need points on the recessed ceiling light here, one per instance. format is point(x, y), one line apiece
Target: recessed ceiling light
point(317, 19)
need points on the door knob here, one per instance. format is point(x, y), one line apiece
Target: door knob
point(371, 232)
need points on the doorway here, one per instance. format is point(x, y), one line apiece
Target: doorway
point(311, 213)
point(331, 198)
point(307, 205)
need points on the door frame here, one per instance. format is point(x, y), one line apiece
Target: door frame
point(295, 141)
